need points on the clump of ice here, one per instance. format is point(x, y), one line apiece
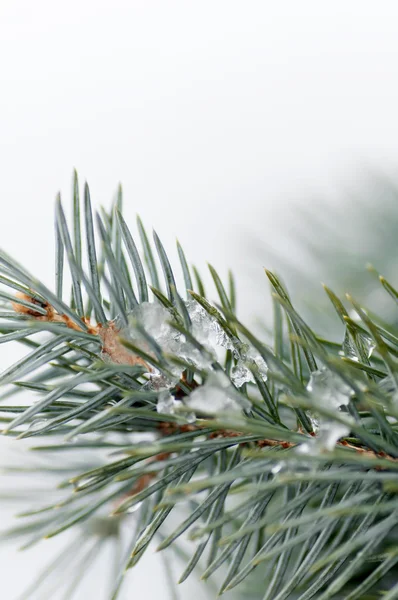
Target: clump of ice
point(329, 433)
point(314, 419)
point(217, 395)
point(370, 344)
point(241, 372)
point(134, 508)
point(389, 388)
point(168, 405)
point(158, 381)
point(329, 391)
point(206, 328)
point(154, 318)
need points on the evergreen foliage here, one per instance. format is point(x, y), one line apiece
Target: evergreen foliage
point(290, 491)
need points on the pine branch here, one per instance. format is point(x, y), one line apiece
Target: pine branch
point(281, 452)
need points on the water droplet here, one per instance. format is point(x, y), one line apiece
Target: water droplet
point(363, 339)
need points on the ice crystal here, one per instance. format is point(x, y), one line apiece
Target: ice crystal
point(248, 357)
point(206, 329)
point(329, 433)
point(314, 419)
point(134, 508)
point(348, 349)
point(167, 404)
point(389, 387)
point(217, 395)
point(328, 389)
point(369, 343)
point(240, 374)
point(158, 381)
point(154, 317)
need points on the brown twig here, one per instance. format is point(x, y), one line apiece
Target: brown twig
point(111, 348)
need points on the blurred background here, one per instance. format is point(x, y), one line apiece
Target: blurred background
point(258, 133)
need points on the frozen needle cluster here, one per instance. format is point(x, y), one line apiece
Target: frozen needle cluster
point(217, 394)
point(206, 329)
point(155, 320)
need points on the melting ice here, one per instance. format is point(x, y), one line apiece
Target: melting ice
point(329, 391)
point(217, 395)
point(206, 329)
point(241, 372)
point(154, 318)
point(168, 405)
point(329, 433)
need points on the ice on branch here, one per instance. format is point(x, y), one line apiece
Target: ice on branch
point(217, 395)
point(328, 434)
point(206, 329)
point(168, 405)
point(155, 320)
point(242, 373)
point(329, 391)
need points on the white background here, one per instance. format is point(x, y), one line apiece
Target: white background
point(215, 115)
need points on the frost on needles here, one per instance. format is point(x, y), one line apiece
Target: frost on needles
point(146, 396)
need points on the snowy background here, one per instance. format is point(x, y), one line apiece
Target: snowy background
point(217, 116)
